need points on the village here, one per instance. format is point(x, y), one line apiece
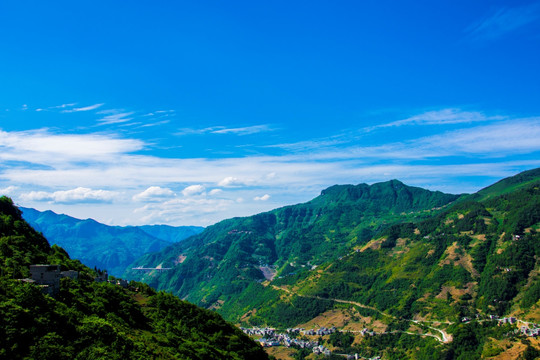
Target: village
point(271, 337)
point(528, 329)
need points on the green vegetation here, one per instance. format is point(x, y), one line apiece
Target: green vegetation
point(393, 252)
point(221, 263)
point(102, 246)
point(90, 320)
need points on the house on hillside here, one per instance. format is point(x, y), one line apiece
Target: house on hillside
point(47, 277)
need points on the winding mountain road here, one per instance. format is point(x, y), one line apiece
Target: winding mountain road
point(445, 337)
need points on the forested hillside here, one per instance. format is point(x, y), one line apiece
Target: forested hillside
point(91, 320)
point(224, 260)
point(428, 273)
point(102, 246)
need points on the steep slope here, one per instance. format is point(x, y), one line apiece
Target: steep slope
point(102, 246)
point(226, 258)
point(471, 261)
point(91, 320)
point(507, 185)
point(427, 283)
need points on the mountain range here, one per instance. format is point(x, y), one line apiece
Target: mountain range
point(397, 271)
point(102, 246)
point(388, 257)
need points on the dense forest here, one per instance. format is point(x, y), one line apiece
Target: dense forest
point(98, 320)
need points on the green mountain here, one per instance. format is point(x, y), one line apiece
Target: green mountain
point(473, 260)
point(226, 258)
point(426, 272)
point(102, 246)
point(98, 320)
point(508, 185)
point(171, 234)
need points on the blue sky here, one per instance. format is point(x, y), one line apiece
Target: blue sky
point(188, 112)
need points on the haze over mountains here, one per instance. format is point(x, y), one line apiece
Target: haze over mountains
point(102, 246)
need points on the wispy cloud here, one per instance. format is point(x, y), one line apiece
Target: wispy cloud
point(243, 130)
point(163, 122)
point(442, 117)
point(240, 131)
point(503, 21)
point(115, 117)
point(96, 168)
point(63, 106)
point(309, 145)
point(160, 113)
point(67, 106)
point(499, 139)
point(85, 108)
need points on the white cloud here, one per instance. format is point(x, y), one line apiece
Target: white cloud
point(441, 117)
point(248, 130)
point(8, 190)
point(63, 106)
point(231, 181)
point(78, 195)
point(85, 108)
point(262, 198)
point(43, 165)
point(193, 190)
point(163, 122)
point(215, 192)
point(240, 131)
point(154, 193)
point(45, 148)
point(196, 211)
point(115, 117)
point(489, 141)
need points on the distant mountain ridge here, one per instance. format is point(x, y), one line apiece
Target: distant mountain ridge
point(228, 256)
point(426, 273)
point(103, 246)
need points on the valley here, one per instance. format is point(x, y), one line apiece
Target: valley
point(393, 271)
point(412, 274)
